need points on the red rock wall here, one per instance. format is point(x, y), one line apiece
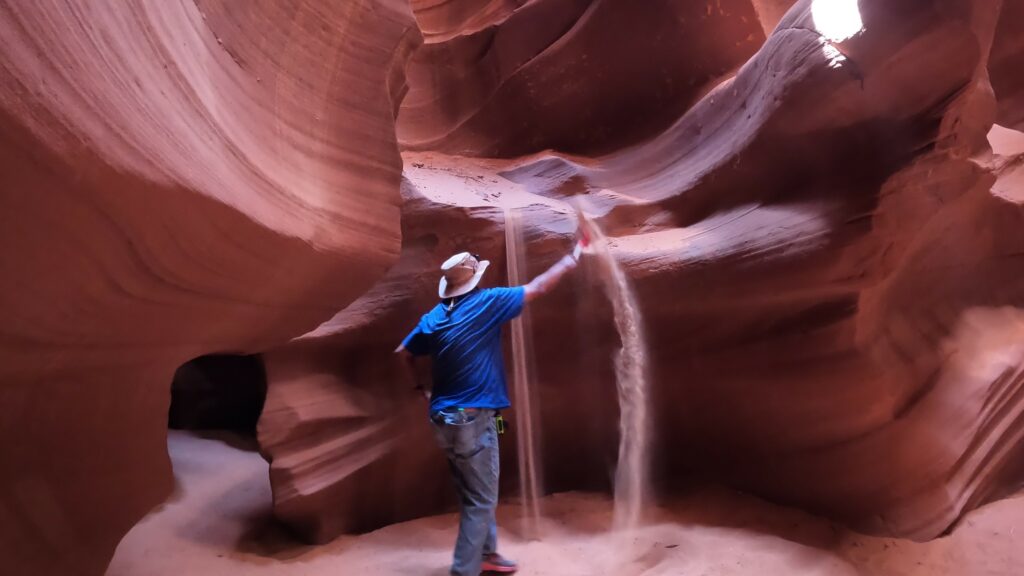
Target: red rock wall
point(770, 12)
point(1007, 63)
point(582, 76)
point(179, 178)
point(827, 254)
point(825, 251)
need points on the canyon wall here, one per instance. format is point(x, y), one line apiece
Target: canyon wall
point(824, 246)
point(179, 178)
point(1006, 63)
point(559, 73)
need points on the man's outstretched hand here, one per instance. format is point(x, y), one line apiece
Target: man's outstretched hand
point(583, 244)
point(580, 249)
point(584, 240)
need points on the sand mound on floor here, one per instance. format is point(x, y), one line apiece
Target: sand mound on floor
point(218, 522)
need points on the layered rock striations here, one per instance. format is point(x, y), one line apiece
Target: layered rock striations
point(824, 247)
point(179, 178)
point(579, 76)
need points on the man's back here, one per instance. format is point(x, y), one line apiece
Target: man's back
point(465, 343)
point(463, 335)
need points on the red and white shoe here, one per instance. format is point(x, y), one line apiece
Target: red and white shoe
point(496, 563)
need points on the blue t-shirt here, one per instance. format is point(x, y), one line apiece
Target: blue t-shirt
point(469, 371)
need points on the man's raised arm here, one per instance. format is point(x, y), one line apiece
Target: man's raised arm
point(552, 276)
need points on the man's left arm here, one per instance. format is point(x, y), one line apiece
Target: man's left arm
point(409, 360)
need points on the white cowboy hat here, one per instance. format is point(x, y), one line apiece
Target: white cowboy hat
point(461, 273)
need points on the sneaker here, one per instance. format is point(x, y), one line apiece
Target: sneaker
point(495, 562)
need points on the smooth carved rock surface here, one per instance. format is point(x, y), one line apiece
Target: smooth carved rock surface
point(770, 12)
point(441, 20)
point(1007, 64)
point(179, 178)
point(826, 252)
point(579, 76)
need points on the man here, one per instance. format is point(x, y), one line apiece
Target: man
point(463, 336)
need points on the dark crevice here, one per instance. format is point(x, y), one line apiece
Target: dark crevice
point(218, 392)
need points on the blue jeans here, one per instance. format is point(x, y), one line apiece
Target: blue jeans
point(472, 450)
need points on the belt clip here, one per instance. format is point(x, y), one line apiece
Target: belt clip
point(499, 423)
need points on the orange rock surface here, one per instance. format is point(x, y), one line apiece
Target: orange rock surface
point(178, 179)
point(824, 235)
point(825, 248)
point(1006, 64)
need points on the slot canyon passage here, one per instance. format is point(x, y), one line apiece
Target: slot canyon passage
point(818, 204)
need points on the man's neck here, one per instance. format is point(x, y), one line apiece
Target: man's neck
point(451, 303)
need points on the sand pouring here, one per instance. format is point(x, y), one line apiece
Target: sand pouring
point(631, 475)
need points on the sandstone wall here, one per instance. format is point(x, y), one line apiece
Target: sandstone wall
point(827, 257)
point(179, 178)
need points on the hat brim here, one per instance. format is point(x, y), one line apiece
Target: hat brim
point(446, 291)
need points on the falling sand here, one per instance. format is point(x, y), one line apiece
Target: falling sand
point(527, 422)
point(631, 486)
point(631, 381)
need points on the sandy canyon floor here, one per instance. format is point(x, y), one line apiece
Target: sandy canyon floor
point(218, 522)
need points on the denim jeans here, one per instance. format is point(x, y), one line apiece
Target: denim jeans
point(472, 450)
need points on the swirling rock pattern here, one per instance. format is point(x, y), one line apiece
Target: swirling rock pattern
point(581, 76)
point(179, 178)
point(826, 251)
point(826, 248)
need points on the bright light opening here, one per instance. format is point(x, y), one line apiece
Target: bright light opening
point(837, 20)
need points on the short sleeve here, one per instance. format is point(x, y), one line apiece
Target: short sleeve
point(508, 302)
point(416, 343)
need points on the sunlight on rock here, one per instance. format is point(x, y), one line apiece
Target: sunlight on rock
point(834, 56)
